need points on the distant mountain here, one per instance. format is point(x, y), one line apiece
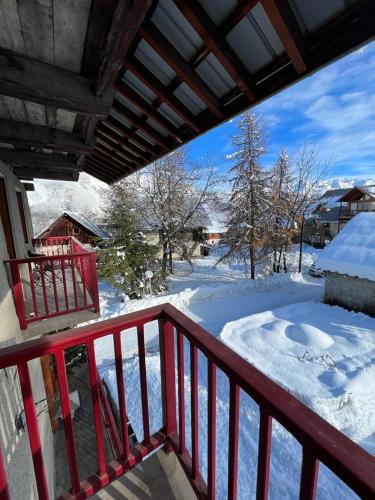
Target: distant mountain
point(345, 182)
point(51, 198)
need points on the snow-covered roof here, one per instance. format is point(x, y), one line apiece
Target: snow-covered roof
point(87, 224)
point(352, 251)
point(82, 221)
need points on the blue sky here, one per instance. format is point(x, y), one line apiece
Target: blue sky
point(333, 109)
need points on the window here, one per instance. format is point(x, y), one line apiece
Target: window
point(21, 210)
point(5, 219)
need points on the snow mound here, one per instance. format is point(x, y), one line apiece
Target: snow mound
point(308, 335)
point(323, 355)
point(352, 251)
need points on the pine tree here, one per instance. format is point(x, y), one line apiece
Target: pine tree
point(127, 260)
point(248, 207)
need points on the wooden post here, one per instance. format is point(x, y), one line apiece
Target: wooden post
point(18, 294)
point(168, 379)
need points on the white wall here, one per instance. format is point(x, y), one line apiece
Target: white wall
point(15, 445)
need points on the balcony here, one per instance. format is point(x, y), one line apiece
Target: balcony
point(320, 442)
point(57, 288)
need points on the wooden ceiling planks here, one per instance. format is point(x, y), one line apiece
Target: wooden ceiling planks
point(138, 130)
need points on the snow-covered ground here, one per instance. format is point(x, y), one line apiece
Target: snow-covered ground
point(322, 354)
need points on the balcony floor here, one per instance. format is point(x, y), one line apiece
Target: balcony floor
point(160, 477)
point(66, 320)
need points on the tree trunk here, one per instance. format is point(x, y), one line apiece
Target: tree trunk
point(164, 259)
point(170, 260)
point(252, 263)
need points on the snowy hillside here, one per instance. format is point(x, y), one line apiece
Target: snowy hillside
point(51, 198)
point(345, 182)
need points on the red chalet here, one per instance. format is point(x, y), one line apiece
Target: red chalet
point(74, 224)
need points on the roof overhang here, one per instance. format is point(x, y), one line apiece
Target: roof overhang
point(129, 82)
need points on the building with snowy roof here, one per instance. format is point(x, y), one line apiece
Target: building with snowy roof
point(329, 214)
point(75, 224)
point(349, 263)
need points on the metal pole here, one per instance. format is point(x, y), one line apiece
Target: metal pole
point(301, 244)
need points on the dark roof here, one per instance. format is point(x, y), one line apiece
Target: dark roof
point(82, 221)
point(355, 193)
point(331, 215)
point(146, 77)
point(336, 192)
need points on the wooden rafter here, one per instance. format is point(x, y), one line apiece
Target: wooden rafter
point(182, 68)
point(26, 78)
point(140, 124)
point(30, 158)
point(42, 173)
point(162, 92)
point(236, 16)
point(114, 148)
point(112, 163)
point(106, 155)
point(105, 132)
point(113, 123)
point(127, 19)
point(25, 135)
point(146, 108)
point(217, 44)
point(108, 167)
point(107, 170)
point(285, 24)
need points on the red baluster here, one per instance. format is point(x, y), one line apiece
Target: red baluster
point(194, 410)
point(181, 390)
point(264, 453)
point(143, 382)
point(121, 394)
point(211, 427)
point(68, 422)
point(33, 431)
point(234, 408)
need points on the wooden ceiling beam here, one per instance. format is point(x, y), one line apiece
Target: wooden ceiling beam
point(146, 108)
point(26, 78)
point(105, 156)
point(104, 164)
point(42, 173)
point(225, 27)
point(30, 158)
point(131, 135)
point(217, 44)
point(237, 15)
point(174, 59)
point(106, 132)
point(126, 21)
point(104, 170)
point(137, 121)
point(25, 135)
point(115, 148)
point(162, 92)
point(286, 26)
point(97, 173)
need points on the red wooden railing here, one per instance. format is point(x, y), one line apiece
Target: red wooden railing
point(320, 441)
point(62, 280)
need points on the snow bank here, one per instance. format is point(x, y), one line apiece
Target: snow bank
point(324, 355)
point(352, 251)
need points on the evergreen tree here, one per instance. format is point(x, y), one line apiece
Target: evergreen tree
point(126, 260)
point(249, 203)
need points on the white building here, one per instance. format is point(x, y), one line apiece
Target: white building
point(349, 263)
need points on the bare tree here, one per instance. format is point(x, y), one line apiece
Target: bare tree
point(294, 184)
point(249, 203)
point(173, 197)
